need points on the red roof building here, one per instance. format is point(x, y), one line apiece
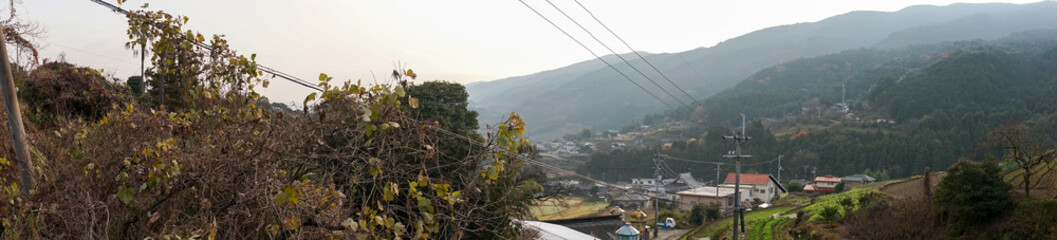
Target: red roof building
point(750, 178)
point(765, 187)
point(827, 183)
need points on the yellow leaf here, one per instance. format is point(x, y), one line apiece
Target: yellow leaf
point(292, 223)
point(413, 102)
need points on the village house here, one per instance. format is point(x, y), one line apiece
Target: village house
point(630, 200)
point(644, 182)
point(684, 181)
point(858, 179)
point(708, 195)
point(764, 186)
point(826, 183)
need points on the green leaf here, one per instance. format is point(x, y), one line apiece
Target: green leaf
point(322, 76)
point(387, 195)
point(310, 97)
point(366, 115)
point(350, 224)
point(400, 92)
point(370, 129)
point(125, 194)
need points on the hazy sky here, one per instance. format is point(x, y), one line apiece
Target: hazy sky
point(460, 41)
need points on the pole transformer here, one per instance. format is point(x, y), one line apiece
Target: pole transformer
point(739, 140)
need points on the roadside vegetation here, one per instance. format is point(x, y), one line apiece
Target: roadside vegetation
point(199, 154)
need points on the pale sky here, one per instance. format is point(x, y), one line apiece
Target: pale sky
point(460, 41)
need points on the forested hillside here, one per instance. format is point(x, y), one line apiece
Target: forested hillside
point(590, 94)
point(909, 108)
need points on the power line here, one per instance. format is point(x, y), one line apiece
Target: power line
point(302, 82)
point(548, 166)
point(589, 33)
point(88, 52)
point(263, 68)
point(643, 58)
point(297, 80)
point(307, 84)
point(600, 58)
point(719, 163)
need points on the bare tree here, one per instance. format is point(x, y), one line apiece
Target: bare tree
point(1028, 149)
point(21, 34)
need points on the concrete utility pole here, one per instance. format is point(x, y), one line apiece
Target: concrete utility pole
point(717, 181)
point(14, 121)
point(656, 200)
point(842, 95)
point(779, 169)
point(738, 140)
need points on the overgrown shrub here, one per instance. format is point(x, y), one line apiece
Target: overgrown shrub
point(58, 91)
point(221, 166)
point(697, 214)
point(896, 219)
point(972, 193)
point(829, 213)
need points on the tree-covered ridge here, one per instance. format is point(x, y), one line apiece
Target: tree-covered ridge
point(589, 94)
point(943, 99)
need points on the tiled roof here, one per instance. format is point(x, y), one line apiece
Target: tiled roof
point(550, 231)
point(749, 178)
point(827, 178)
point(708, 192)
point(603, 227)
point(860, 178)
point(689, 180)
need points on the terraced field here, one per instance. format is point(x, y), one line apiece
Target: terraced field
point(912, 188)
point(567, 208)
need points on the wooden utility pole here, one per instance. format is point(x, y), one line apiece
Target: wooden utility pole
point(14, 120)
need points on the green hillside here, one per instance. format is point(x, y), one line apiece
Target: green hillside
point(943, 99)
point(590, 94)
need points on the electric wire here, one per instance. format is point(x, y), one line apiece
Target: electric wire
point(589, 33)
point(308, 84)
point(262, 67)
point(600, 58)
point(719, 163)
point(647, 61)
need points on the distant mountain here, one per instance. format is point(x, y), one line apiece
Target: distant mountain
point(589, 94)
point(943, 98)
point(909, 108)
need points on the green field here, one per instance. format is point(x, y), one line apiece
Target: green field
point(719, 227)
point(833, 201)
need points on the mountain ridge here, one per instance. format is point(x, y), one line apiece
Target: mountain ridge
point(564, 100)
